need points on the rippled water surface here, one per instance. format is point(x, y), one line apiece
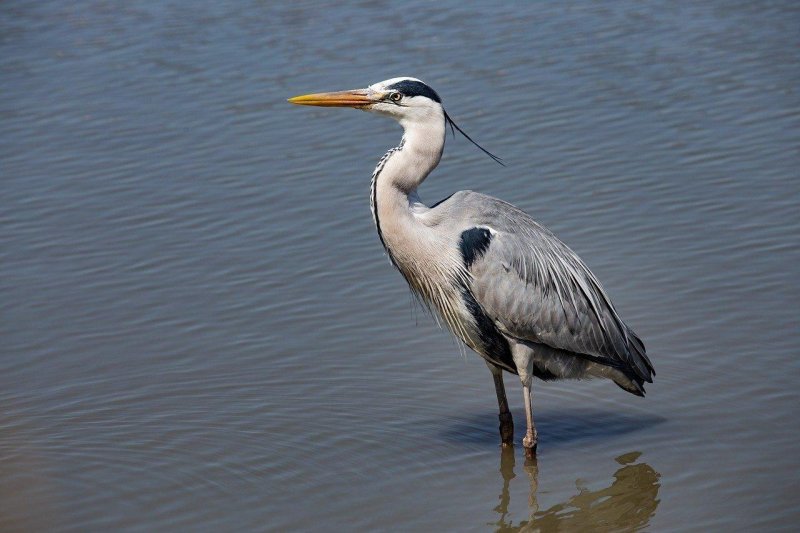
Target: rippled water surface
point(199, 330)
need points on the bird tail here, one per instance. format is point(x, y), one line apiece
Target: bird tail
point(639, 370)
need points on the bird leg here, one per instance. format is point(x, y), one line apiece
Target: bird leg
point(506, 421)
point(531, 438)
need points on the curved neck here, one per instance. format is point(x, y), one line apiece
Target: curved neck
point(400, 172)
point(417, 155)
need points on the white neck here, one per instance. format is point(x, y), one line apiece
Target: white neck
point(422, 146)
point(422, 254)
point(398, 210)
point(397, 176)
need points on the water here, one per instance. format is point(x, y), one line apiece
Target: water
point(199, 329)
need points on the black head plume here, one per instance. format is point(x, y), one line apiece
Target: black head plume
point(454, 126)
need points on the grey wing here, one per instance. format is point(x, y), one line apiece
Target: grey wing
point(538, 290)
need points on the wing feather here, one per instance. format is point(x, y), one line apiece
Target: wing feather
point(536, 289)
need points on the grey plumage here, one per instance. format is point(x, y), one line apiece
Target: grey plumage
point(538, 291)
point(503, 284)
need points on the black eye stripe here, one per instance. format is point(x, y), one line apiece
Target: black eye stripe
point(415, 88)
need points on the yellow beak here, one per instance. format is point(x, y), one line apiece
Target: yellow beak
point(354, 98)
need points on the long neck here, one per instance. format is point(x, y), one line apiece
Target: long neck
point(417, 155)
point(413, 244)
point(401, 171)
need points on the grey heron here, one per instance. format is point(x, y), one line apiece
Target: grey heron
point(501, 282)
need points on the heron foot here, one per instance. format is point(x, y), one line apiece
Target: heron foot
point(506, 429)
point(530, 441)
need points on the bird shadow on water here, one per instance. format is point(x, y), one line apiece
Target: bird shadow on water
point(627, 504)
point(555, 428)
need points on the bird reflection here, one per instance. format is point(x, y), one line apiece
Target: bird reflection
point(627, 504)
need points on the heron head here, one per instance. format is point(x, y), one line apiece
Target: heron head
point(410, 101)
point(405, 99)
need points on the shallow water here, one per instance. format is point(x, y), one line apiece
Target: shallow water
point(200, 332)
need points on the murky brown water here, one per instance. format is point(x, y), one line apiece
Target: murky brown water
point(199, 330)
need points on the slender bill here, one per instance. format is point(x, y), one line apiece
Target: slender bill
point(353, 98)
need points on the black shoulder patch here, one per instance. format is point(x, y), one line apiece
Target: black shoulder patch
point(474, 243)
point(415, 88)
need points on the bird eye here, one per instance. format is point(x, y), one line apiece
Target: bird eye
point(395, 97)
